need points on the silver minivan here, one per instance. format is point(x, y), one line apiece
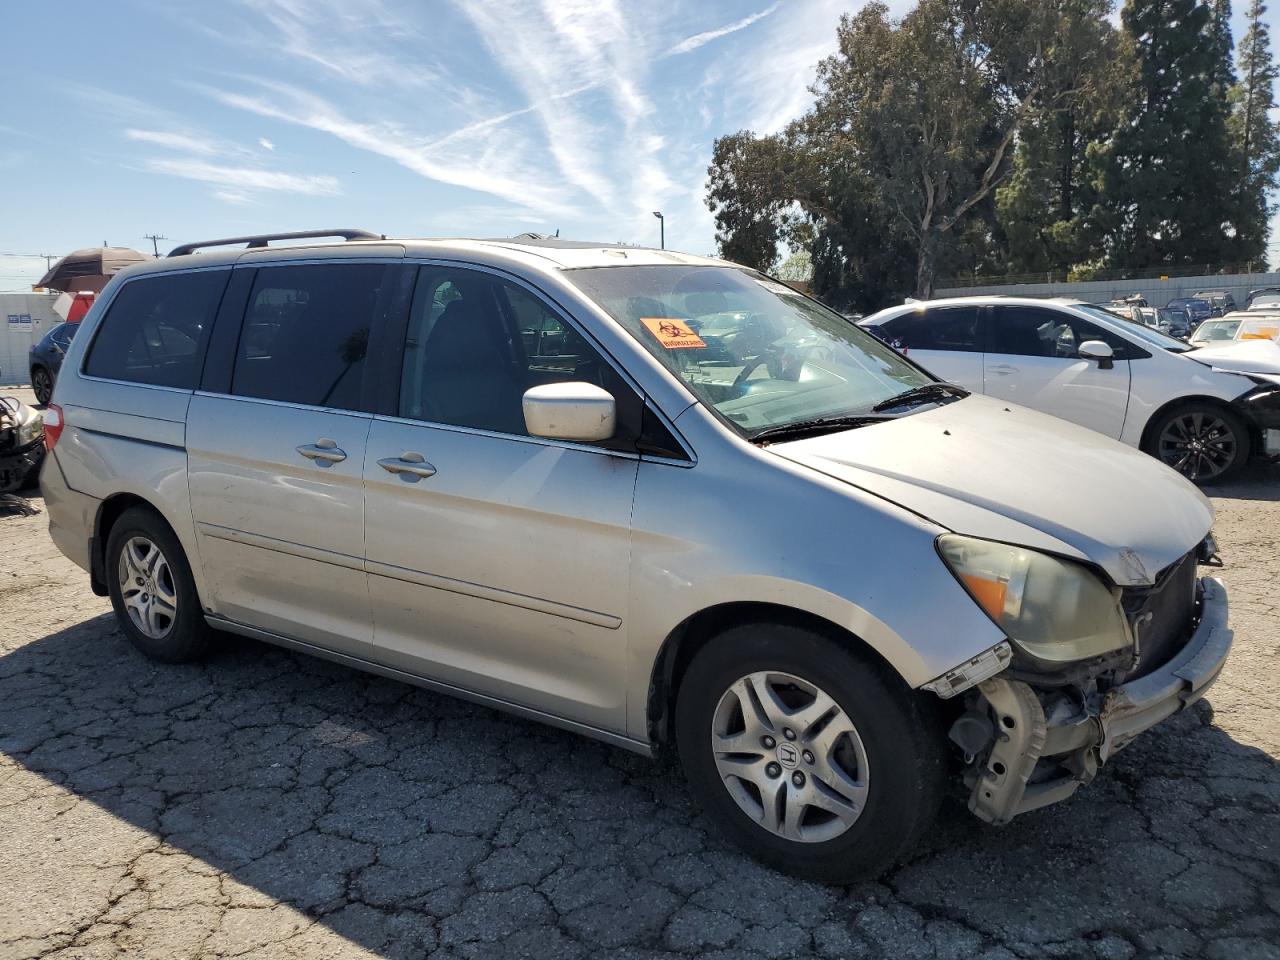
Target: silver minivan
point(657, 499)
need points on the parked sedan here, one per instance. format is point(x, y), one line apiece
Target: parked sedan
point(46, 359)
point(1201, 416)
point(1199, 310)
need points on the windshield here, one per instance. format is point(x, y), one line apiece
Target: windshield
point(1217, 330)
point(754, 350)
point(1137, 330)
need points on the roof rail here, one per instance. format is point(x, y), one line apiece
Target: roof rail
point(259, 241)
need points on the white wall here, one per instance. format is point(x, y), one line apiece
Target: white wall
point(1158, 292)
point(16, 340)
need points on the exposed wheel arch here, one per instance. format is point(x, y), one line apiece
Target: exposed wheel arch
point(682, 643)
point(1148, 428)
point(109, 511)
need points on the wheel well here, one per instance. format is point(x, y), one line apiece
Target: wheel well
point(1148, 430)
point(109, 512)
point(683, 643)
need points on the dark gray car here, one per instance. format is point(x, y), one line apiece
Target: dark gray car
point(46, 359)
point(1198, 310)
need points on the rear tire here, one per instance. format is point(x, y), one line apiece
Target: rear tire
point(887, 771)
point(1202, 441)
point(152, 590)
point(42, 385)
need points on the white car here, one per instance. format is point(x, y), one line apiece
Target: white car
point(1203, 412)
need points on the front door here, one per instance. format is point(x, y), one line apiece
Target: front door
point(1031, 358)
point(498, 562)
point(275, 457)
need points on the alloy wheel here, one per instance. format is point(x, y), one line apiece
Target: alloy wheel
point(1198, 444)
point(790, 757)
point(42, 385)
point(147, 588)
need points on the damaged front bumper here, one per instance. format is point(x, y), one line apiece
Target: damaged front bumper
point(18, 466)
point(1047, 743)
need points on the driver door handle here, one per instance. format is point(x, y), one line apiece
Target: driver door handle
point(1003, 368)
point(324, 452)
point(408, 466)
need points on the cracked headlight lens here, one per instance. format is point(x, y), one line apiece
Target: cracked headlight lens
point(1055, 610)
point(30, 431)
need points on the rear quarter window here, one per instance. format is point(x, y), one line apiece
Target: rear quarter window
point(157, 328)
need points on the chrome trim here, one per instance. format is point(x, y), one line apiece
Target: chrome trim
point(132, 383)
point(286, 404)
point(287, 547)
point(242, 264)
point(436, 686)
point(494, 434)
point(495, 594)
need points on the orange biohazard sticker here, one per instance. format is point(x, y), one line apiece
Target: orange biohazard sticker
point(672, 334)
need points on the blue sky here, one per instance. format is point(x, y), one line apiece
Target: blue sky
point(410, 117)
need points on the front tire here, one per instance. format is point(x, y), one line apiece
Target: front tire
point(42, 385)
point(1203, 442)
point(152, 590)
point(810, 756)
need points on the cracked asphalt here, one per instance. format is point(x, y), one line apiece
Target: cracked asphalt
point(266, 804)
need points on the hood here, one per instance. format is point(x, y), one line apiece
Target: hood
point(998, 471)
point(1241, 356)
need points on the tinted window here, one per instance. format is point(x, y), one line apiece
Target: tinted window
point(156, 329)
point(940, 328)
point(1037, 332)
point(475, 343)
point(306, 333)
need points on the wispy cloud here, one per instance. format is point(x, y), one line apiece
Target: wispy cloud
point(266, 144)
point(690, 44)
point(187, 143)
point(476, 163)
point(244, 178)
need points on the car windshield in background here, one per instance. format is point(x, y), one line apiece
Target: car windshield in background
point(1139, 330)
point(1217, 330)
point(761, 355)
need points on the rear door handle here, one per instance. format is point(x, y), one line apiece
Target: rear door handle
point(324, 452)
point(1003, 368)
point(409, 466)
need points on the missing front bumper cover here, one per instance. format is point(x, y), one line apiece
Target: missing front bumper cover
point(1046, 746)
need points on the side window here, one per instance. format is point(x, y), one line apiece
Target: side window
point(156, 329)
point(952, 329)
point(306, 332)
point(476, 343)
point(1030, 332)
point(1036, 332)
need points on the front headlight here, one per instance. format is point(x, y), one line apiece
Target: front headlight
point(1055, 610)
point(30, 431)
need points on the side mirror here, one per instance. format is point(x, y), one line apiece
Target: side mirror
point(1097, 350)
point(570, 411)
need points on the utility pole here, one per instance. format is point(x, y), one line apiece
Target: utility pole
point(155, 239)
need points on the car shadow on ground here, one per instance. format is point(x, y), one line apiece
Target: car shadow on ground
point(406, 821)
point(1257, 480)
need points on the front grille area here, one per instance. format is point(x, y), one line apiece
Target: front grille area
point(1171, 604)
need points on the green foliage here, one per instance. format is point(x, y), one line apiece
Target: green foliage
point(994, 136)
point(1254, 134)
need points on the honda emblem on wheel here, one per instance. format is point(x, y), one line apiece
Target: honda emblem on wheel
point(788, 755)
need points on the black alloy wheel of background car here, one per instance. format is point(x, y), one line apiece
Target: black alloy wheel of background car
point(42, 385)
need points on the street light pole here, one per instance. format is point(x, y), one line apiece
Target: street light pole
point(662, 229)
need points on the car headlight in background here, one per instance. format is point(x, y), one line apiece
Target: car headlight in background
point(1055, 610)
point(30, 431)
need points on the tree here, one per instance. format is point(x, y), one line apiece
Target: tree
point(1255, 134)
point(1042, 207)
point(1166, 183)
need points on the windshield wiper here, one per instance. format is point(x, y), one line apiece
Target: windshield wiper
point(812, 428)
point(936, 390)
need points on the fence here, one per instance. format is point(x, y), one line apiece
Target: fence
point(24, 319)
point(1159, 289)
